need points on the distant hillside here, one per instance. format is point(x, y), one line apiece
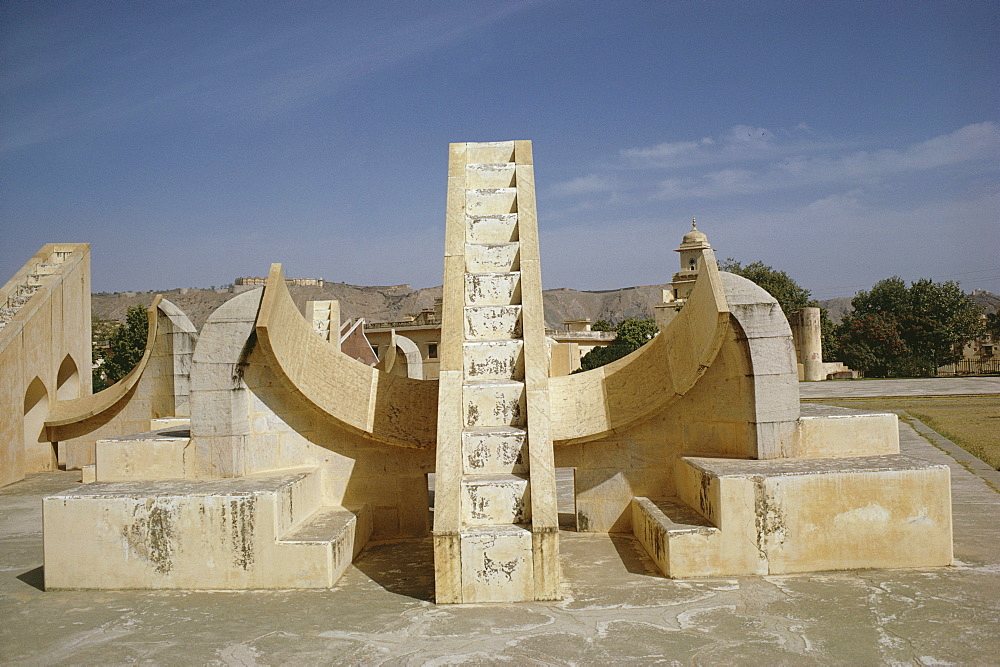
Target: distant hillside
point(396, 301)
point(836, 308)
point(989, 301)
point(393, 302)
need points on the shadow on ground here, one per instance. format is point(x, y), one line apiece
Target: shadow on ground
point(34, 578)
point(403, 567)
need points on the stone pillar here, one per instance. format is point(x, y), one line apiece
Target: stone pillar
point(496, 524)
point(811, 342)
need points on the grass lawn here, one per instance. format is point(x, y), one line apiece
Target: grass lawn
point(971, 422)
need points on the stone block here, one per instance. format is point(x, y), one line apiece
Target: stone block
point(149, 458)
point(847, 435)
point(498, 228)
point(494, 360)
point(497, 565)
point(489, 152)
point(492, 322)
point(487, 175)
point(491, 201)
point(492, 257)
point(492, 289)
point(494, 404)
point(495, 451)
point(495, 499)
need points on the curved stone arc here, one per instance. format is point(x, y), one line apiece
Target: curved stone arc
point(775, 401)
point(387, 408)
point(414, 362)
point(587, 406)
point(63, 415)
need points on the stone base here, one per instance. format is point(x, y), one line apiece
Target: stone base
point(253, 532)
point(799, 515)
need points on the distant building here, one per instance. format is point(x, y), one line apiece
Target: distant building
point(298, 282)
point(422, 332)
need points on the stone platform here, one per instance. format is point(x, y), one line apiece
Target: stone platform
point(617, 607)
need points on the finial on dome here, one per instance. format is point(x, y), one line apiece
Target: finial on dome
point(694, 224)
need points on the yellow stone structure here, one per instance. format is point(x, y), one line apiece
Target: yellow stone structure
point(45, 353)
point(297, 454)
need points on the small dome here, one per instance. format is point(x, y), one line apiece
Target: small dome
point(694, 237)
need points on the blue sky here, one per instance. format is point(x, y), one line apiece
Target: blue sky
point(193, 142)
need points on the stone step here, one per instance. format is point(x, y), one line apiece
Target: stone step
point(489, 152)
point(493, 289)
point(494, 404)
point(492, 322)
point(498, 228)
point(794, 515)
point(497, 564)
point(495, 451)
point(490, 500)
point(154, 455)
point(161, 541)
point(492, 257)
point(676, 537)
point(493, 360)
point(160, 423)
point(340, 533)
point(487, 201)
point(489, 175)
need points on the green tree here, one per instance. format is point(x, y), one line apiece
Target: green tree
point(631, 335)
point(602, 325)
point(125, 347)
point(993, 326)
point(790, 295)
point(899, 331)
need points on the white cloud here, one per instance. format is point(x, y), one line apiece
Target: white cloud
point(739, 143)
point(969, 144)
point(581, 186)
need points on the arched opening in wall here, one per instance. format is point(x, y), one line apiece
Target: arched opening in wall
point(39, 453)
point(68, 380)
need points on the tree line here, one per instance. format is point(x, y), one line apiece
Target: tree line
point(894, 329)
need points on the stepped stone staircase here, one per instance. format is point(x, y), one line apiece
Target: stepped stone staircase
point(268, 531)
point(32, 282)
point(496, 522)
point(735, 516)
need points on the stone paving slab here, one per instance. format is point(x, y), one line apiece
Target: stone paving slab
point(617, 609)
point(900, 387)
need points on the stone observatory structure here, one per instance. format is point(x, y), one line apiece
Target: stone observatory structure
point(298, 454)
point(44, 352)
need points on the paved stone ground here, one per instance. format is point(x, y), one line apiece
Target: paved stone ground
point(617, 608)
point(900, 387)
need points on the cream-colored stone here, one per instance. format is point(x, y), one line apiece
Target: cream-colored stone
point(491, 201)
point(45, 353)
point(483, 176)
point(154, 536)
point(494, 404)
point(498, 228)
point(847, 435)
point(492, 322)
point(492, 257)
point(497, 565)
point(495, 499)
point(492, 289)
point(488, 152)
point(156, 457)
point(495, 451)
point(494, 360)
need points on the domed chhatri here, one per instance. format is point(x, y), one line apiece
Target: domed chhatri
point(695, 238)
